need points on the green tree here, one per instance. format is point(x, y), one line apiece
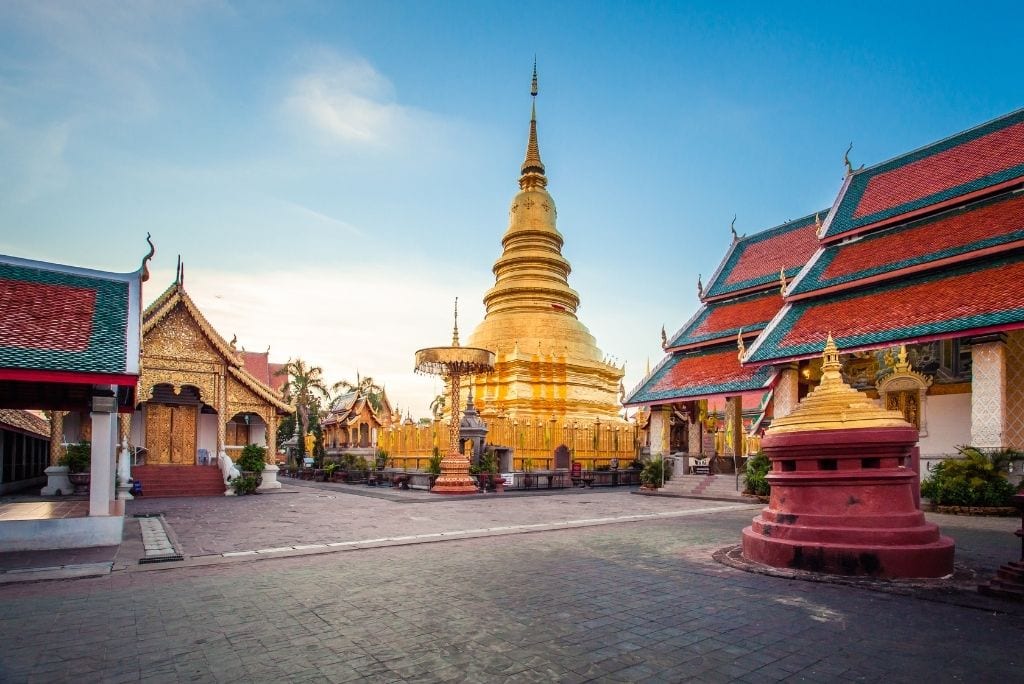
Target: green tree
point(373, 392)
point(304, 389)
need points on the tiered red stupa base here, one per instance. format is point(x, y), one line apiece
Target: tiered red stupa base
point(843, 503)
point(454, 477)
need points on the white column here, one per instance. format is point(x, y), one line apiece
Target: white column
point(988, 393)
point(124, 459)
point(104, 441)
point(787, 392)
point(659, 430)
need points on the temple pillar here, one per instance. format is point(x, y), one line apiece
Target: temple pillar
point(57, 482)
point(988, 392)
point(694, 436)
point(787, 391)
point(660, 428)
point(734, 426)
point(124, 459)
point(104, 441)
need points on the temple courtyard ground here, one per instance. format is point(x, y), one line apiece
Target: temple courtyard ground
point(340, 583)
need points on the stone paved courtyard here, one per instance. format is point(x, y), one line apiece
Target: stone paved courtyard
point(616, 601)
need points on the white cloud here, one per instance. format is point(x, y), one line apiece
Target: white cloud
point(351, 103)
point(323, 219)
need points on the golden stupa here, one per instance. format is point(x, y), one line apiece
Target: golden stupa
point(548, 364)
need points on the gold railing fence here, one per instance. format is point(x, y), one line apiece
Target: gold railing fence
point(533, 442)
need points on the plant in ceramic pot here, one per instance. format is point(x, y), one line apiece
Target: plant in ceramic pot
point(251, 464)
point(77, 460)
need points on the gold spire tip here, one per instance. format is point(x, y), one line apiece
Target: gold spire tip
point(455, 328)
point(533, 83)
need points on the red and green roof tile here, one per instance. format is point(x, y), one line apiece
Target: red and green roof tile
point(703, 373)
point(724, 319)
point(66, 319)
point(977, 161)
point(974, 297)
point(756, 260)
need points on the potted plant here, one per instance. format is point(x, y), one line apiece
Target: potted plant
point(528, 472)
point(251, 464)
point(77, 460)
point(329, 471)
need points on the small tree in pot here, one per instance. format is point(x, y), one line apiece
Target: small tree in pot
point(251, 464)
point(77, 460)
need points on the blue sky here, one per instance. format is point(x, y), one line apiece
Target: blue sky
point(334, 173)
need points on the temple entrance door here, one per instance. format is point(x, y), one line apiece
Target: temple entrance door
point(171, 434)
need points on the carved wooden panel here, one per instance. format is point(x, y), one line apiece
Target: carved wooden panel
point(171, 434)
point(158, 433)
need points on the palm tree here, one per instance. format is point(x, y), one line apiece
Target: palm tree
point(365, 386)
point(304, 389)
point(437, 406)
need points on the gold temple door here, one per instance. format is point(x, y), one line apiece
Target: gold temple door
point(906, 402)
point(171, 434)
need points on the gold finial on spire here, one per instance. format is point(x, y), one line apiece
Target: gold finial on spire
point(455, 329)
point(782, 281)
point(830, 356)
point(740, 346)
point(700, 287)
point(533, 169)
point(732, 227)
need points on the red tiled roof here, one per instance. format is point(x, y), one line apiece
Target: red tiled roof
point(950, 232)
point(974, 296)
point(277, 379)
point(257, 365)
point(44, 316)
point(25, 421)
point(961, 164)
point(768, 257)
point(718, 320)
point(971, 164)
point(703, 374)
point(754, 261)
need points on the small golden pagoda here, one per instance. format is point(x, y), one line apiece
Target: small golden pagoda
point(548, 364)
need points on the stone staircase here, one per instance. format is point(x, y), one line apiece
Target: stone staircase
point(178, 480)
point(1008, 582)
point(721, 487)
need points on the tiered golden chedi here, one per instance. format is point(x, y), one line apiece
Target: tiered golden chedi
point(548, 364)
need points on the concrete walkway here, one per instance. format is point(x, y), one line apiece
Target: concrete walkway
point(598, 586)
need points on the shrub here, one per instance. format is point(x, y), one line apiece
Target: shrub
point(253, 459)
point(973, 480)
point(434, 464)
point(654, 470)
point(245, 484)
point(758, 467)
point(78, 457)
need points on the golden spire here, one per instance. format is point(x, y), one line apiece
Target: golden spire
point(834, 405)
point(455, 329)
point(533, 168)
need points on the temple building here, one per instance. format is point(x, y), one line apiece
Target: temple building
point(199, 396)
point(352, 423)
point(918, 272)
point(700, 390)
point(547, 362)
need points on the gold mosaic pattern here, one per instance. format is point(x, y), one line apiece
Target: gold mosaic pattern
point(1015, 389)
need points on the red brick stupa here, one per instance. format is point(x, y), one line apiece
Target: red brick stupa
point(843, 497)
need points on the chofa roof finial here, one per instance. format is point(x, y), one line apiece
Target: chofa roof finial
point(700, 287)
point(846, 160)
point(146, 259)
point(732, 227)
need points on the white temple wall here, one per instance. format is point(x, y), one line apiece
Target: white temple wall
point(207, 437)
point(258, 433)
point(949, 426)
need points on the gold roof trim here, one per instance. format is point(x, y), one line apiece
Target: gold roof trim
point(259, 388)
point(834, 405)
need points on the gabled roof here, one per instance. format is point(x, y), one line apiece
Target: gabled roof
point(25, 421)
point(258, 365)
point(755, 261)
point(700, 374)
point(955, 235)
point(723, 320)
point(977, 161)
point(347, 407)
point(176, 295)
point(980, 296)
point(68, 324)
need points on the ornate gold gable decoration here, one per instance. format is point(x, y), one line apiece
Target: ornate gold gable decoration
point(904, 390)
